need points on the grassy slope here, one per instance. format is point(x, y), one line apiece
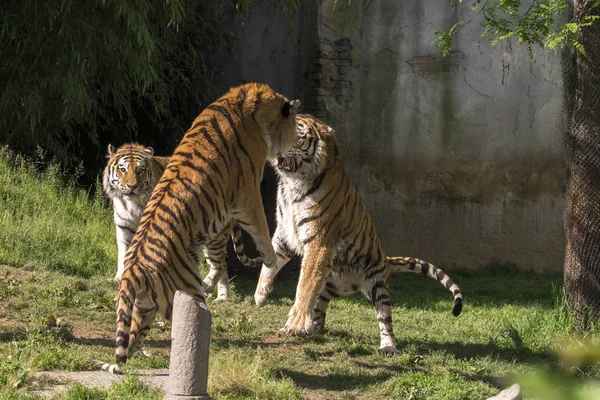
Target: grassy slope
point(57, 311)
point(45, 223)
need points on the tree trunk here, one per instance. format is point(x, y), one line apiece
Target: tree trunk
point(582, 154)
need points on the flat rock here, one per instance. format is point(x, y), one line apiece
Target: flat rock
point(512, 393)
point(51, 383)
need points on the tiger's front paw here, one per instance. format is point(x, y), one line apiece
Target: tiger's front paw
point(209, 283)
point(262, 294)
point(222, 297)
point(298, 324)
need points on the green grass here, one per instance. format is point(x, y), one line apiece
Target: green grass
point(57, 312)
point(47, 222)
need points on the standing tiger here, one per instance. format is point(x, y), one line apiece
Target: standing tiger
point(212, 178)
point(131, 173)
point(321, 217)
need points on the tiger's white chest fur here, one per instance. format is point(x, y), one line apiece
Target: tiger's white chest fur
point(127, 212)
point(297, 208)
point(129, 209)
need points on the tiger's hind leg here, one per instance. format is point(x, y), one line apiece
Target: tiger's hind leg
point(376, 290)
point(215, 254)
point(267, 275)
point(337, 286)
point(223, 286)
point(144, 312)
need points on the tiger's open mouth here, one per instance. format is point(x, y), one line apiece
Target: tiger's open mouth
point(288, 164)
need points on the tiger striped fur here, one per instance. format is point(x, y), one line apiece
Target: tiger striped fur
point(110, 368)
point(132, 171)
point(321, 217)
point(212, 178)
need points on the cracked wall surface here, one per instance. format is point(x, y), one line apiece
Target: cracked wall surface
point(459, 159)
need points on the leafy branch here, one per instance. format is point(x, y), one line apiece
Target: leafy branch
point(539, 24)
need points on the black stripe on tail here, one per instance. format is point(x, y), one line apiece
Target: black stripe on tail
point(124, 315)
point(238, 246)
point(398, 264)
point(110, 368)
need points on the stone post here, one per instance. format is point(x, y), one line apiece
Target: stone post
point(190, 339)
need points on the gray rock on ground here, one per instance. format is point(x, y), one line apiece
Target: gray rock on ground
point(512, 393)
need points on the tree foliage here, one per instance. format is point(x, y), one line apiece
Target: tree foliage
point(73, 71)
point(534, 22)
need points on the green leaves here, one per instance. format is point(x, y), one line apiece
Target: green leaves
point(532, 23)
point(72, 71)
point(444, 38)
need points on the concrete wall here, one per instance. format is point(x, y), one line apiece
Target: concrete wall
point(459, 159)
point(272, 49)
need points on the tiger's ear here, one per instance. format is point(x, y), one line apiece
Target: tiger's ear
point(290, 108)
point(111, 151)
point(149, 150)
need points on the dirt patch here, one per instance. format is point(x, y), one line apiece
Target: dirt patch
point(309, 395)
point(12, 323)
point(8, 273)
point(49, 384)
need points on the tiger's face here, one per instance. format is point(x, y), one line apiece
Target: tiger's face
point(275, 114)
point(307, 155)
point(128, 169)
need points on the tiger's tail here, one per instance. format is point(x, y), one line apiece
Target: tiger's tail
point(127, 294)
point(110, 368)
point(398, 264)
point(125, 302)
point(238, 246)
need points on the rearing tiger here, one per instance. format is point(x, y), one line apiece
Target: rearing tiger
point(131, 173)
point(321, 217)
point(212, 178)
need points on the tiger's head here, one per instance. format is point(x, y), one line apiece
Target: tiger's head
point(128, 172)
point(274, 113)
point(314, 148)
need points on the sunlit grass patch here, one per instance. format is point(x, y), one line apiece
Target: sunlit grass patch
point(46, 221)
point(57, 310)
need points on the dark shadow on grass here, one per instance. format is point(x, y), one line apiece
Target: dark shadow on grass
point(162, 344)
point(492, 286)
point(317, 339)
point(339, 382)
point(335, 382)
point(16, 335)
point(469, 351)
point(495, 381)
point(464, 351)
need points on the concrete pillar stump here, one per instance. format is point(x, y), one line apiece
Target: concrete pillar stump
point(190, 340)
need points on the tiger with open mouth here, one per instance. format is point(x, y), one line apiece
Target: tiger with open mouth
point(321, 218)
